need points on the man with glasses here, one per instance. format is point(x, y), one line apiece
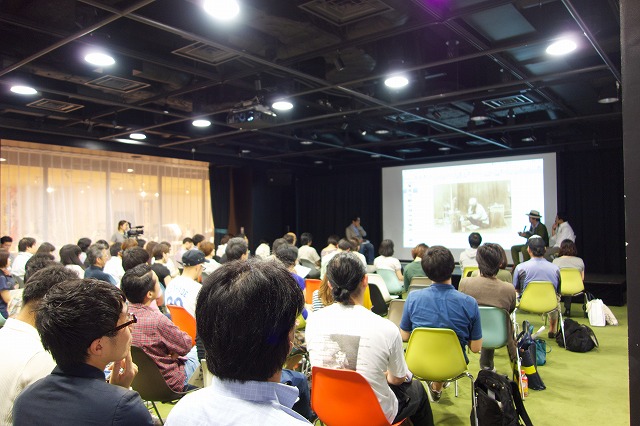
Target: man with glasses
point(86, 326)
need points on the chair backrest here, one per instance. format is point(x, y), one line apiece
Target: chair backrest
point(183, 320)
point(344, 398)
point(435, 354)
point(379, 305)
point(311, 285)
point(425, 281)
point(539, 297)
point(495, 331)
point(149, 382)
point(466, 272)
point(314, 272)
point(382, 286)
point(395, 311)
point(571, 281)
point(207, 376)
point(414, 287)
point(391, 280)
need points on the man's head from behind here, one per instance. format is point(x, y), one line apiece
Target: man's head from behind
point(139, 284)
point(27, 244)
point(246, 315)
point(536, 246)
point(306, 238)
point(236, 249)
point(345, 272)
point(97, 255)
point(134, 256)
point(290, 237)
point(438, 264)
point(287, 255)
point(41, 282)
point(489, 257)
point(475, 240)
point(76, 318)
point(37, 262)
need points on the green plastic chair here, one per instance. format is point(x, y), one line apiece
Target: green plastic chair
point(572, 285)
point(540, 298)
point(391, 280)
point(435, 355)
point(495, 333)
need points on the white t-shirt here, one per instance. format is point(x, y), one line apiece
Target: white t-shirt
point(354, 338)
point(309, 253)
point(183, 291)
point(114, 268)
point(384, 262)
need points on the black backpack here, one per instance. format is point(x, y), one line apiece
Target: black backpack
point(498, 401)
point(579, 337)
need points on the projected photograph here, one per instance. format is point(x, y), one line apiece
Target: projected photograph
point(472, 206)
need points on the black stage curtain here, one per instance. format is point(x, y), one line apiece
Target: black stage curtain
point(219, 185)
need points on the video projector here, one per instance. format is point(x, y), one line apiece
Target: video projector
point(251, 115)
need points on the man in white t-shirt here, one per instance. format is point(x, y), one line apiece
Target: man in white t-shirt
point(183, 290)
point(346, 335)
point(306, 251)
point(560, 231)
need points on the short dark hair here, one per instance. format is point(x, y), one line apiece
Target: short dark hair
point(4, 258)
point(122, 222)
point(95, 252)
point(128, 243)
point(236, 247)
point(568, 248)
point(84, 244)
point(489, 258)
point(187, 240)
point(355, 217)
point(246, 311)
point(562, 215)
point(306, 238)
point(438, 264)
point(160, 250)
point(418, 251)
point(475, 240)
point(206, 247)
point(137, 282)
point(73, 314)
point(345, 272)
point(41, 281)
point(537, 245)
point(345, 244)
point(37, 262)
point(225, 238)
point(287, 255)
point(197, 239)
point(46, 248)
point(115, 249)
point(103, 243)
point(289, 237)
point(25, 243)
point(69, 255)
point(134, 256)
point(333, 239)
point(6, 239)
point(386, 248)
point(277, 243)
point(149, 247)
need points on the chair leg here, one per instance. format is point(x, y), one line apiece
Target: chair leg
point(157, 412)
point(456, 384)
point(473, 399)
point(561, 325)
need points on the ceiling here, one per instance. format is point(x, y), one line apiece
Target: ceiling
point(175, 63)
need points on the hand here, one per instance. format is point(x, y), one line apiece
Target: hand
point(521, 234)
point(123, 371)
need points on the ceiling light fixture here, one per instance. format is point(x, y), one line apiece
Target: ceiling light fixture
point(444, 148)
point(318, 162)
point(375, 155)
point(561, 47)
point(479, 112)
point(282, 105)
point(511, 117)
point(23, 90)
point(306, 142)
point(223, 10)
point(530, 137)
point(138, 136)
point(100, 59)
point(396, 81)
point(382, 132)
point(609, 95)
point(129, 170)
point(2, 159)
point(201, 123)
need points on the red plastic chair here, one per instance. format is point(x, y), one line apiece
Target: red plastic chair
point(311, 285)
point(345, 398)
point(183, 320)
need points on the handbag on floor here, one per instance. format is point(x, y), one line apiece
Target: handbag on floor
point(579, 337)
point(498, 401)
point(595, 310)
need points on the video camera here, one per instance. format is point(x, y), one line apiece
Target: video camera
point(135, 231)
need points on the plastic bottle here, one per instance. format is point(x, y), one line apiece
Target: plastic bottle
point(525, 384)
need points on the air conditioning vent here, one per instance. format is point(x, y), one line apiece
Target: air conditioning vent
point(204, 53)
point(52, 105)
point(508, 102)
point(343, 12)
point(117, 84)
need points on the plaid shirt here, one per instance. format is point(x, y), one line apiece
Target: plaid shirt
point(159, 338)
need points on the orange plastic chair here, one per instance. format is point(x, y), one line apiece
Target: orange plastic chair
point(345, 398)
point(183, 320)
point(311, 285)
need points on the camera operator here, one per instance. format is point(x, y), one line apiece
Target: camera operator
point(121, 234)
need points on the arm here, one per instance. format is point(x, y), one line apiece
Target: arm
point(405, 335)
point(177, 341)
point(6, 296)
point(129, 371)
point(475, 345)
point(392, 380)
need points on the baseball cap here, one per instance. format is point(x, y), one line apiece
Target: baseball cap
point(193, 258)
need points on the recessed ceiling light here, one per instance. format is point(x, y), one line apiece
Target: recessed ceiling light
point(138, 136)
point(375, 155)
point(201, 123)
point(306, 142)
point(530, 138)
point(23, 90)
point(396, 81)
point(99, 58)
point(282, 105)
point(561, 47)
point(318, 162)
point(129, 170)
point(382, 132)
point(444, 148)
point(246, 151)
point(222, 9)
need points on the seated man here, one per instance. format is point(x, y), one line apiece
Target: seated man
point(85, 325)
point(414, 269)
point(442, 306)
point(560, 231)
point(23, 357)
point(246, 319)
point(97, 256)
point(488, 290)
point(183, 290)
point(468, 257)
point(169, 347)
point(306, 251)
point(346, 335)
point(538, 269)
point(536, 228)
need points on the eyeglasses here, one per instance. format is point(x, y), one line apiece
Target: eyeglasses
point(131, 319)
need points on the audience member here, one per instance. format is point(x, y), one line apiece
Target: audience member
point(288, 255)
point(343, 245)
point(70, 258)
point(210, 265)
point(197, 239)
point(84, 244)
point(237, 249)
point(306, 251)
point(536, 228)
point(347, 335)
point(246, 318)
point(149, 247)
point(468, 257)
point(223, 244)
point(488, 290)
point(187, 244)
point(322, 296)
point(355, 249)
point(442, 306)
point(161, 255)
point(183, 290)
point(169, 347)
point(263, 250)
point(121, 234)
point(537, 269)
point(414, 269)
point(134, 256)
point(385, 260)
point(37, 262)
point(113, 266)
point(568, 258)
point(97, 256)
point(47, 248)
point(503, 273)
point(6, 242)
point(26, 248)
point(332, 245)
point(23, 357)
point(560, 231)
point(85, 325)
point(7, 282)
point(290, 238)
point(355, 230)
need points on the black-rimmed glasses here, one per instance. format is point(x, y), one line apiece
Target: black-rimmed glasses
point(131, 319)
